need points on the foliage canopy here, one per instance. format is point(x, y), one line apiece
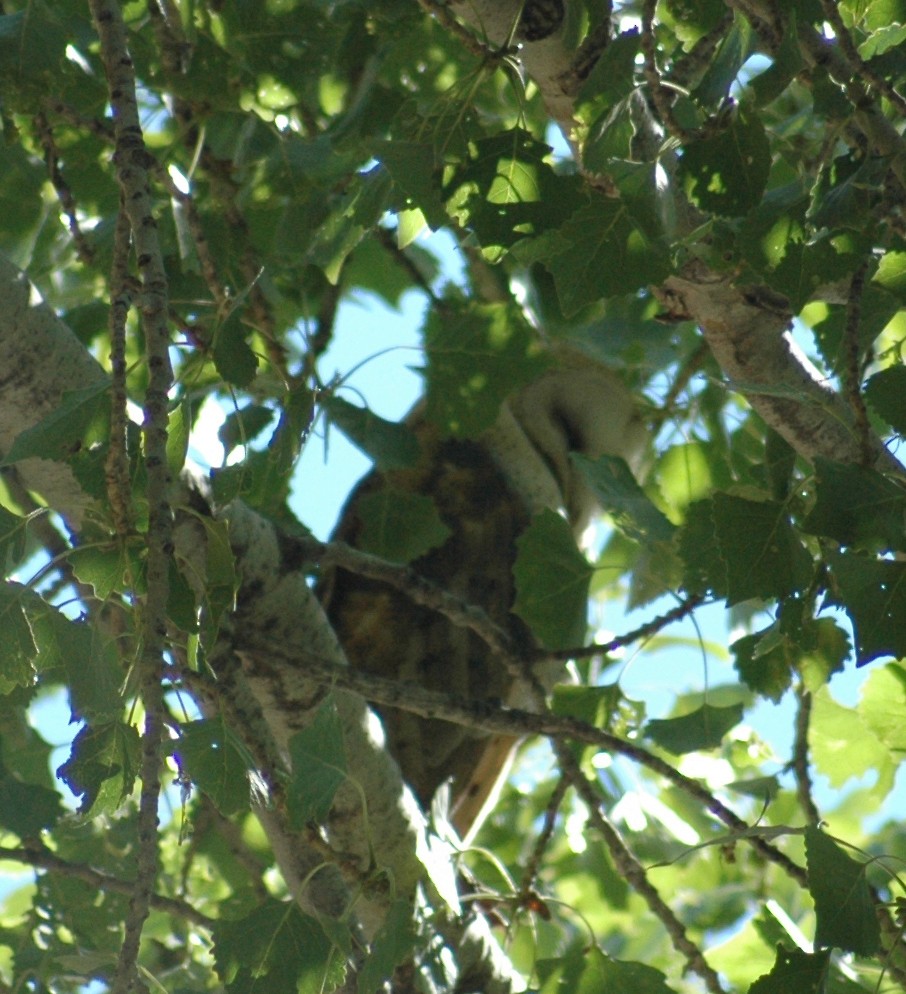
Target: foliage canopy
point(195, 187)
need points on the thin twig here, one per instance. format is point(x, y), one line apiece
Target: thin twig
point(634, 873)
point(860, 68)
point(799, 762)
point(644, 631)
point(530, 872)
point(660, 95)
point(441, 13)
point(84, 249)
point(39, 856)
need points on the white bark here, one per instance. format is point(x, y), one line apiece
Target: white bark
point(40, 359)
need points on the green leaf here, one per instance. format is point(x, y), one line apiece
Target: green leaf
point(19, 648)
point(727, 172)
point(763, 556)
point(612, 482)
point(26, 809)
point(552, 582)
point(179, 426)
point(82, 418)
point(795, 971)
point(102, 766)
point(210, 754)
point(278, 948)
point(704, 567)
point(844, 908)
point(735, 48)
point(843, 747)
point(32, 45)
point(602, 251)
point(506, 190)
point(765, 662)
point(702, 729)
point(319, 766)
point(873, 594)
point(391, 946)
point(882, 705)
point(891, 275)
point(856, 505)
point(886, 392)
point(234, 359)
point(13, 539)
point(590, 971)
point(244, 425)
point(477, 355)
point(612, 76)
point(400, 526)
point(417, 176)
point(103, 568)
point(390, 444)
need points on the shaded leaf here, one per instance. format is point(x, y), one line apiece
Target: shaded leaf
point(209, 753)
point(726, 173)
point(590, 971)
point(391, 444)
point(702, 729)
point(704, 567)
point(244, 425)
point(552, 581)
point(277, 947)
point(763, 556)
point(886, 392)
point(232, 355)
point(873, 594)
point(612, 482)
point(602, 251)
point(856, 505)
point(27, 809)
point(400, 526)
point(794, 970)
point(477, 355)
point(765, 662)
point(844, 908)
point(391, 946)
point(102, 766)
point(319, 766)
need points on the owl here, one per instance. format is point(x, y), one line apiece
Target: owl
point(486, 491)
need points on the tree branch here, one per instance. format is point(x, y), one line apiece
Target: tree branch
point(130, 158)
point(39, 856)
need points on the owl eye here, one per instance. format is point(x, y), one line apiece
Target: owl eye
point(569, 429)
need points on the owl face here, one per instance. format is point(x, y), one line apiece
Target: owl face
point(577, 406)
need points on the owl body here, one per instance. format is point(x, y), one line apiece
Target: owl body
point(486, 491)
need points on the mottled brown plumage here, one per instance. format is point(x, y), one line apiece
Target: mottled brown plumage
point(486, 491)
